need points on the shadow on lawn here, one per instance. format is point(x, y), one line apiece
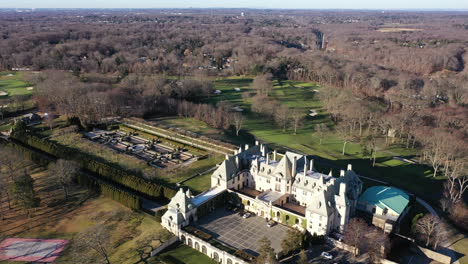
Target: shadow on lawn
point(414, 178)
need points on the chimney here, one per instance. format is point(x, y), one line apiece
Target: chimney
point(267, 158)
point(305, 165)
point(275, 154)
point(341, 173)
point(342, 189)
point(350, 167)
point(237, 161)
point(331, 173)
point(256, 142)
point(227, 156)
point(294, 168)
point(311, 167)
point(246, 146)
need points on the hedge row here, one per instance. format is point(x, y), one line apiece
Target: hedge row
point(154, 190)
point(125, 198)
point(120, 196)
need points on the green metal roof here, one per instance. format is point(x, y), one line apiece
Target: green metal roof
point(384, 196)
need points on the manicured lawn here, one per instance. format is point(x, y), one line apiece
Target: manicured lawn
point(304, 96)
point(13, 85)
point(462, 248)
point(200, 183)
point(185, 254)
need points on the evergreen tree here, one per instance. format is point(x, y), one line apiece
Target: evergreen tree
point(23, 192)
point(266, 252)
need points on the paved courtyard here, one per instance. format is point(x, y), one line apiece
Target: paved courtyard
point(241, 233)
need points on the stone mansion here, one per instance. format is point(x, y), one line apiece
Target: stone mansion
point(282, 187)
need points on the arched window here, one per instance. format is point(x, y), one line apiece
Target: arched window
point(229, 261)
point(287, 217)
point(216, 256)
point(203, 250)
point(297, 221)
point(248, 203)
point(278, 214)
point(197, 246)
point(183, 239)
point(189, 242)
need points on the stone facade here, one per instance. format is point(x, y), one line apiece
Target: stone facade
point(290, 182)
point(281, 187)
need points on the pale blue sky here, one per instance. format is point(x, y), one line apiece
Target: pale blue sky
point(296, 4)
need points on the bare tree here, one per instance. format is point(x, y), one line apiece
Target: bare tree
point(457, 180)
point(355, 233)
point(344, 130)
point(379, 245)
point(282, 117)
point(262, 83)
point(297, 116)
point(238, 122)
point(321, 130)
point(95, 238)
point(64, 171)
point(426, 227)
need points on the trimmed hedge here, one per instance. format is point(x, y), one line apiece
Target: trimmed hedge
point(125, 198)
point(120, 196)
point(198, 233)
point(151, 189)
point(242, 254)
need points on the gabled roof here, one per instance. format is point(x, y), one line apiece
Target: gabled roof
point(320, 204)
point(386, 197)
point(226, 169)
point(181, 201)
point(284, 167)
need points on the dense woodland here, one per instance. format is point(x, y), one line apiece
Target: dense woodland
point(384, 74)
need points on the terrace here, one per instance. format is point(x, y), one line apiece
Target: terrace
point(155, 152)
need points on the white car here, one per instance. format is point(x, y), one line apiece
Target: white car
point(246, 215)
point(326, 255)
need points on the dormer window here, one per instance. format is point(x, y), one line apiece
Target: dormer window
point(306, 182)
point(269, 171)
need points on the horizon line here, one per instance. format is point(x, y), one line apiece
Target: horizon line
point(251, 8)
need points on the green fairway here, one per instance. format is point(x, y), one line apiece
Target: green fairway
point(303, 96)
point(185, 254)
point(13, 85)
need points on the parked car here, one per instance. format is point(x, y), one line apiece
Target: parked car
point(246, 215)
point(271, 223)
point(326, 255)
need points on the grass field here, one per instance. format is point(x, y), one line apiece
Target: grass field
point(462, 247)
point(59, 218)
point(304, 96)
point(185, 254)
point(13, 85)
